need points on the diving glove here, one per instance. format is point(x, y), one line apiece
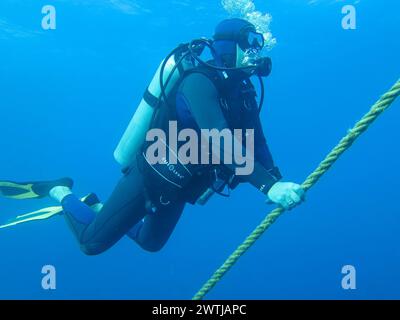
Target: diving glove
point(286, 194)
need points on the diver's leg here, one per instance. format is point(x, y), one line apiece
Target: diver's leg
point(124, 209)
point(153, 232)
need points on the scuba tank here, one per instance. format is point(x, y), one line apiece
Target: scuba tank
point(135, 134)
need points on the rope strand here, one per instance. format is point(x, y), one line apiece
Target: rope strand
point(377, 109)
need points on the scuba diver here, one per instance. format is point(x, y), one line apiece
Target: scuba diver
point(150, 198)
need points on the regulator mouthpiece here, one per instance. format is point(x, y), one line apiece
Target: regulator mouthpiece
point(264, 66)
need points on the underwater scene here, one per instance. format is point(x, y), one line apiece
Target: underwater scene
point(181, 149)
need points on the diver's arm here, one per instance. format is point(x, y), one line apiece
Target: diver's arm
point(286, 194)
point(261, 149)
point(200, 95)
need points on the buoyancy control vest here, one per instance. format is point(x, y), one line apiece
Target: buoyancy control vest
point(166, 182)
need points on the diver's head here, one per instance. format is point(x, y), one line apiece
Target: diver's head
point(238, 44)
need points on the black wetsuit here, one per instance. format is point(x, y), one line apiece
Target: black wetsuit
point(125, 212)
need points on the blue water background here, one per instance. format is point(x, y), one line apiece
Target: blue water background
point(67, 95)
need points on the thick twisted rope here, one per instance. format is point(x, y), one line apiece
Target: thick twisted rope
point(377, 109)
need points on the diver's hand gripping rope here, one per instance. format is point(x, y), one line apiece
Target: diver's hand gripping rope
point(377, 109)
